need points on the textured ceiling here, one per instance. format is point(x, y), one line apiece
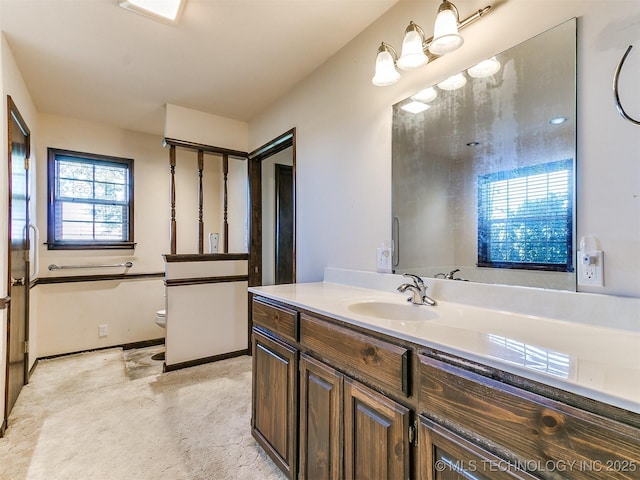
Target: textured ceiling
point(92, 60)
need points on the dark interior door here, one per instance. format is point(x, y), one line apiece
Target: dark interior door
point(284, 225)
point(17, 324)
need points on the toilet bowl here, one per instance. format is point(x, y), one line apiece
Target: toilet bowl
point(161, 318)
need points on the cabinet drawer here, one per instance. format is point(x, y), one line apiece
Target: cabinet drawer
point(544, 434)
point(277, 319)
point(379, 361)
point(445, 455)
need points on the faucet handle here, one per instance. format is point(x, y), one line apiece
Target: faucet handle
point(416, 279)
point(451, 274)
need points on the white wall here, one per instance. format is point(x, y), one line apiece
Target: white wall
point(343, 134)
point(205, 319)
point(205, 128)
point(68, 314)
point(151, 193)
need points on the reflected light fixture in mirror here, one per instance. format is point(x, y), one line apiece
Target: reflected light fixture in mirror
point(426, 95)
point(484, 69)
point(454, 82)
point(418, 51)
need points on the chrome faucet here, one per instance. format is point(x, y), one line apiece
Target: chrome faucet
point(449, 276)
point(418, 290)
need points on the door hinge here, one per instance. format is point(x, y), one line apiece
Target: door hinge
point(413, 433)
point(26, 346)
point(27, 256)
point(27, 163)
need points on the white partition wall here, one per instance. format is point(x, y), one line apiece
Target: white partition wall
point(206, 305)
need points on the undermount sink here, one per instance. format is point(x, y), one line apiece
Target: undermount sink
point(394, 310)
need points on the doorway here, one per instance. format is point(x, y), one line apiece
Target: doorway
point(18, 256)
point(272, 218)
point(284, 237)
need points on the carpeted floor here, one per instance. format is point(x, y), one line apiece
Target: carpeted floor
point(82, 417)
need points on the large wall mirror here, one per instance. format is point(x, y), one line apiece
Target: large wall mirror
point(483, 169)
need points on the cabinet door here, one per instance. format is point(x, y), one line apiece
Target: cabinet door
point(376, 435)
point(274, 406)
point(320, 421)
point(443, 455)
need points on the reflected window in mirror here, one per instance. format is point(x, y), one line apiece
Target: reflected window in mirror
point(525, 217)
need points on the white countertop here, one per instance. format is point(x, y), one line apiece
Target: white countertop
point(593, 361)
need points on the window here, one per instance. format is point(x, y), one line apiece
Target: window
point(90, 201)
point(525, 218)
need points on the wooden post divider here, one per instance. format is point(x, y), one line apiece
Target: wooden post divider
point(200, 201)
point(172, 168)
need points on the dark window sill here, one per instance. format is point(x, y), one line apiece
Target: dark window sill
point(527, 266)
point(91, 246)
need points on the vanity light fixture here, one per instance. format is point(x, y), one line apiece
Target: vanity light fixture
point(418, 51)
point(386, 73)
point(446, 37)
point(166, 11)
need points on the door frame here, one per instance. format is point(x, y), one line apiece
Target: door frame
point(255, 158)
point(14, 114)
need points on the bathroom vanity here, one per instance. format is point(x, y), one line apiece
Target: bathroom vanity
point(352, 382)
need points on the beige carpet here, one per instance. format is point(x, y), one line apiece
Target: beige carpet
point(81, 418)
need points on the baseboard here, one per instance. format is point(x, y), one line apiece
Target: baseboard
point(202, 361)
point(33, 368)
point(124, 346)
point(143, 344)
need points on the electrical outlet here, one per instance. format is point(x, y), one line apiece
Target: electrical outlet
point(383, 260)
point(591, 268)
point(103, 330)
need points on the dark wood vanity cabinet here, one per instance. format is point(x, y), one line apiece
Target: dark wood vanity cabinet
point(347, 430)
point(275, 400)
point(331, 401)
point(526, 430)
point(376, 434)
point(343, 428)
point(321, 420)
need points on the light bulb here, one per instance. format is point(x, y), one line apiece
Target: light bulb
point(386, 73)
point(446, 38)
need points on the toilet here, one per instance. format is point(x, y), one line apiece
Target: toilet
point(161, 321)
point(161, 318)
